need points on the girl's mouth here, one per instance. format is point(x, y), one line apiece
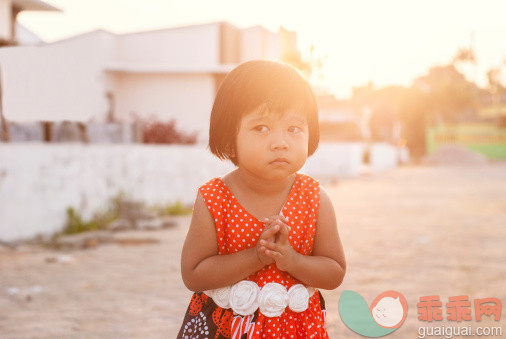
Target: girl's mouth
point(279, 161)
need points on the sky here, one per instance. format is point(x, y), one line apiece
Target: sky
point(388, 42)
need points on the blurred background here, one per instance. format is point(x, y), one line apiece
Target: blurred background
point(104, 117)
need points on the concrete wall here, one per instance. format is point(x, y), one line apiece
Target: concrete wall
point(66, 80)
point(167, 73)
point(188, 98)
point(335, 160)
point(59, 81)
point(259, 43)
point(383, 156)
point(183, 46)
point(39, 181)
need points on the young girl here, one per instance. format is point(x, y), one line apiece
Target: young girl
point(263, 238)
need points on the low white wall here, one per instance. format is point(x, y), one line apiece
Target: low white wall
point(383, 156)
point(335, 160)
point(39, 181)
point(403, 155)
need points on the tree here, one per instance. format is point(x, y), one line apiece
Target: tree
point(440, 95)
point(447, 93)
point(495, 82)
point(464, 55)
point(306, 67)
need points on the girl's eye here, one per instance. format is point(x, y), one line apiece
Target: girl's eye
point(294, 129)
point(261, 128)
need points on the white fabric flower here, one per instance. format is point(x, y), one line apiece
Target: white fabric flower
point(243, 297)
point(221, 296)
point(273, 299)
point(298, 298)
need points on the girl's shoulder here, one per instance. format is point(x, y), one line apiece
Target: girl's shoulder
point(214, 182)
point(308, 180)
point(214, 189)
point(308, 185)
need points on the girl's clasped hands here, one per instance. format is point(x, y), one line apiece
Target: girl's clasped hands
point(273, 245)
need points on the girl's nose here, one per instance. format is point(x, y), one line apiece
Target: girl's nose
point(279, 142)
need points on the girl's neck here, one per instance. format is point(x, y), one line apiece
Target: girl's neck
point(249, 181)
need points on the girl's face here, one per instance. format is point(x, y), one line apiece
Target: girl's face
point(270, 145)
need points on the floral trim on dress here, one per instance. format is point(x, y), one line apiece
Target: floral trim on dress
point(206, 320)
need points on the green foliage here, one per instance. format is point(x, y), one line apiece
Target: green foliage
point(309, 66)
point(441, 95)
point(176, 209)
point(464, 55)
point(447, 92)
point(76, 224)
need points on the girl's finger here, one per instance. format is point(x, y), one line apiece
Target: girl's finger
point(288, 228)
point(285, 230)
point(282, 225)
point(283, 218)
point(269, 245)
point(269, 232)
point(272, 218)
point(273, 254)
point(283, 234)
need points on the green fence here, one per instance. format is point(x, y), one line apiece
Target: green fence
point(486, 139)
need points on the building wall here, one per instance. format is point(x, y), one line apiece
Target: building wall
point(59, 81)
point(253, 43)
point(187, 98)
point(230, 44)
point(183, 46)
point(259, 43)
point(68, 80)
point(288, 41)
point(6, 19)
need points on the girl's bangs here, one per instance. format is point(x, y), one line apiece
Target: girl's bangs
point(294, 96)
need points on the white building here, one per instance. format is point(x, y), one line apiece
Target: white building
point(11, 32)
point(169, 73)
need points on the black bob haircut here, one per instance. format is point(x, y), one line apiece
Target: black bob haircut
point(272, 85)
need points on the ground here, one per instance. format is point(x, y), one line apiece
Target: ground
point(418, 230)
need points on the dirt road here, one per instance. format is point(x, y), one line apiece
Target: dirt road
point(417, 230)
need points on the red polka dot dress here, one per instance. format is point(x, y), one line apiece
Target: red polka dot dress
point(237, 230)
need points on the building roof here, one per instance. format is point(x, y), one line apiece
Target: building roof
point(118, 67)
point(26, 37)
point(34, 5)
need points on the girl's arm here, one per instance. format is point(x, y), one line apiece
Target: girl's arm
point(201, 266)
point(326, 266)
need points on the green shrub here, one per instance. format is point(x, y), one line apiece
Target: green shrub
point(76, 224)
point(177, 208)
